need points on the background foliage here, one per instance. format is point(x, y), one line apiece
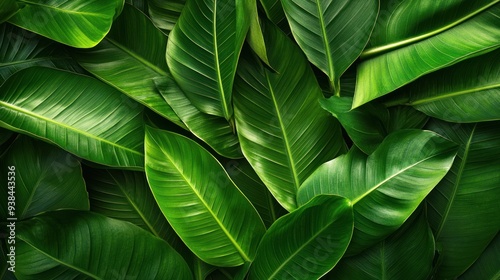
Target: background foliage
point(244, 139)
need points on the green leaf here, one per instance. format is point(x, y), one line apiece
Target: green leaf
point(385, 187)
point(366, 125)
point(245, 178)
point(130, 58)
point(404, 117)
point(387, 72)
point(199, 200)
point(274, 11)
point(165, 14)
point(141, 5)
point(203, 50)
point(95, 247)
point(460, 98)
point(408, 253)
point(463, 209)
point(77, 23)
point(77, 113)
point(46, 178)
point(7, 9)
point(306, 243)
point(255, 37)
point(213, 130)
point(283, 131)
point(331, 33)
point(22, 49)
point(125, 195)
point(486, 266)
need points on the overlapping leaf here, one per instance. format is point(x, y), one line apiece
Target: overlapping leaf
point(165, 14)
point(77, 113)
point(284, 133)
point(95, 247)
point(385, 187)
point(78, 23)
point(204, 207)
point(306, 243)
point(463, 209)
point(486, 266)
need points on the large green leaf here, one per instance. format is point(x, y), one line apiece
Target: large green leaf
point(463, 209)
point(213, 130)
point(46, 178)
point(77, 23)
point(22, 49)
point(203, 50)
point(486, 266)
point(389, 71)
point(331, 33)
point(470, 92)
point(408, 253)
point(78, 113)
point(130, 57)
point(385, 187)
point(306, 243)
point(85, 245)
point(125, 195)
point(7, 9)
point(283, 131)
point(165, 14)
point(199, 200)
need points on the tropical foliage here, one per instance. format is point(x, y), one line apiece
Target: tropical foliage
point(245, 139)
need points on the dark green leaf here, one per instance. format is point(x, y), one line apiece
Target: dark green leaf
point(404, 117)
point(164, 14)
point(486, 266)
point(7, 9)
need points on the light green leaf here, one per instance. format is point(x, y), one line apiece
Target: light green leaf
point(284, 133)
point(22, 49)
point(331, 33)
point(81, 115)
point(203, 50)
point(77, 23)
point(165, 14)
point(7, 9)
point(470, 92)
point(46, 178)
point(306, 243)
point(407, 253)
point(386, 72)
point(366, 125)
point(213, 130)
point(486, 266)
point(463, 209)
point(255, 38)
point(199, 200)
point(99, 248)
point(385, 187)
point(130, 58)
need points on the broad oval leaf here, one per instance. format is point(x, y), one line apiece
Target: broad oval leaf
point(80, 114)
point(486, 266)
point(460, 98)
point(199, 200)
point(95, 247)
point(165, 14)
point(306, 243)
point(463, 208)
point(283, 132)
point(203, 50)
point(387, 72)
point(385, 187)
point(331, 33)
point(407, 253)
point(130, 58)
point(77, 23)
point(46, 179)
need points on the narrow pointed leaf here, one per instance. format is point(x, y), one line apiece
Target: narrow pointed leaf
point(77, 23)
point(331, 33)
point(165, 14)
point(283, 131)
point(130, 57)
point(387, 72)
point(306, 243)
point(463, 209)
point(91, 243)
point(255, 37)
point(108, 133)
point(409, 251)
point(46, 179)
point(199, 200)
point(385, 187)
point(203, 50)
point(486, 266)
point(213, 130)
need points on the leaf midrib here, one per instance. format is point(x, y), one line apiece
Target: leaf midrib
point(331, 70)
point(62, 10)
point(217, 64)
point(452, 94)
